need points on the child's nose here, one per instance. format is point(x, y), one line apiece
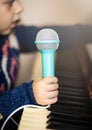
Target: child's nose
point(18, 7)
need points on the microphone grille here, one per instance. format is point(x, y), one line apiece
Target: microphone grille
point(47, 39)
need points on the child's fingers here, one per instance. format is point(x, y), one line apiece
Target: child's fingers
point(52, 94)
point(52, 87)
point(50, 80)
point(51, 100)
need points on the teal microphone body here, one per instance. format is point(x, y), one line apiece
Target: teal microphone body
point(47, 42)
point(47, 62)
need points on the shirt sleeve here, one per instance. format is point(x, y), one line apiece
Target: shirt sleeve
point(19, 96)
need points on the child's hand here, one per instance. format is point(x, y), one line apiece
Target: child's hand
point(46, 90)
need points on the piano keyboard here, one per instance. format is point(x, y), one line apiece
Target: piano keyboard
point(34, 119)
point(73, 111)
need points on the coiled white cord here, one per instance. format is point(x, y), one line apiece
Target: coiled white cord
point(7, 119)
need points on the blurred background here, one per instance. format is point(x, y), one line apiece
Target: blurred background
point(71, 19)
point(57, 12)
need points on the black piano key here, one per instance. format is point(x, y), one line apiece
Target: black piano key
point(73, 111)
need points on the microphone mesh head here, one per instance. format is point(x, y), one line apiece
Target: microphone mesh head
point(47, 39)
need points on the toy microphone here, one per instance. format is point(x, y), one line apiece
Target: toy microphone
point(47, 42)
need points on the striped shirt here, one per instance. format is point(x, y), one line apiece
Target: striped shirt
point(12, 98)
point(9, 64)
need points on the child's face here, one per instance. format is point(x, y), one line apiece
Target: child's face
point(9, 15)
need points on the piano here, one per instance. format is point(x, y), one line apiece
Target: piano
point(73, 111)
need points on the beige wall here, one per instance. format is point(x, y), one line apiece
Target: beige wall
point(57, 12)
point(51, 12)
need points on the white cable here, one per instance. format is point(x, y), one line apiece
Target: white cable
point(35, 106)
point(14, 121)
